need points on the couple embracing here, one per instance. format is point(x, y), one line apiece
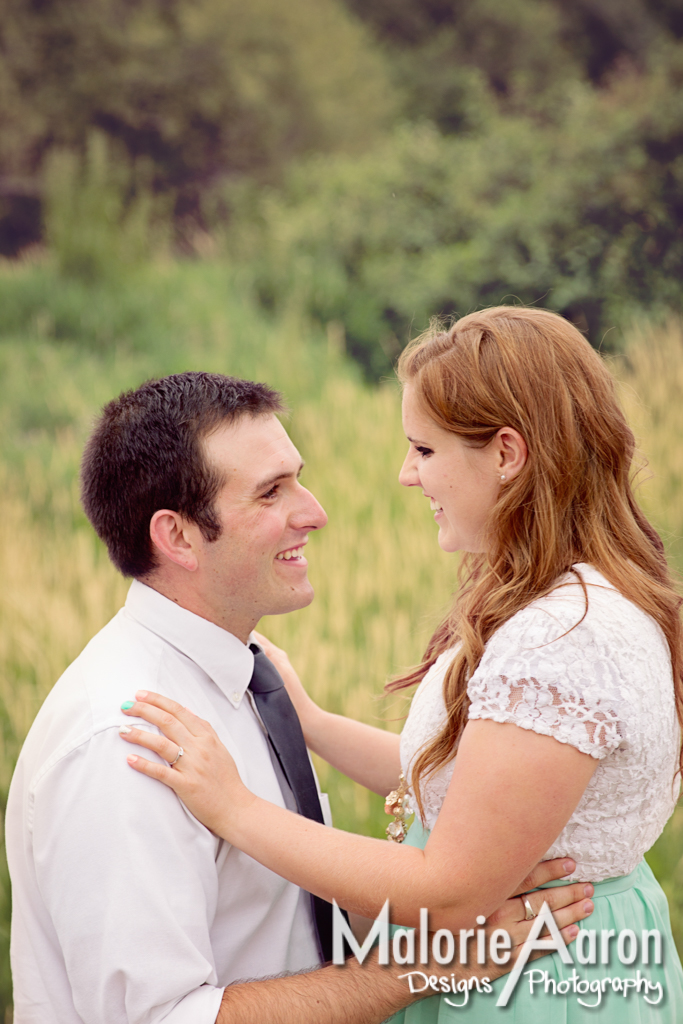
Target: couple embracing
point(541, 751)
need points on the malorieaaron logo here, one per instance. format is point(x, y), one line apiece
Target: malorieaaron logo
point(410, 947)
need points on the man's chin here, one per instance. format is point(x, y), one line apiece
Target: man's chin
point(293, 600)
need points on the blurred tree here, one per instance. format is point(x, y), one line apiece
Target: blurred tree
point(584, 217)
point(603, 34)
point(102, 222)
point(522, 51)
point(450, 57)
point(201, 88)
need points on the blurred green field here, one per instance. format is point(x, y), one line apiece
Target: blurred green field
point(381, 581)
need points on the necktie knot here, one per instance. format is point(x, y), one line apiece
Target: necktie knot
point(265, 678)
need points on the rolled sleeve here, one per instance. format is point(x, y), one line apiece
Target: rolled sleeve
point(201, 1005)
point(129, 879)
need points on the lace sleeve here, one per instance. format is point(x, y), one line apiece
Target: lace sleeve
point(541, 674)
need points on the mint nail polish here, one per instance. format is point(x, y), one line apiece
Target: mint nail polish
point(127, 705)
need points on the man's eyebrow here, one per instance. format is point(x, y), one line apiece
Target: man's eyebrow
point(265, 485)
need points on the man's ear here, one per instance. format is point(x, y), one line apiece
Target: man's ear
point(175, 538)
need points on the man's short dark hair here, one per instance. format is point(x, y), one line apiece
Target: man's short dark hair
point(146, 454)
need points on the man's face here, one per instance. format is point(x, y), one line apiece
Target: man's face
point(257, 566)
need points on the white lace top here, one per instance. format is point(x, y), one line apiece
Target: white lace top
point(604, 686)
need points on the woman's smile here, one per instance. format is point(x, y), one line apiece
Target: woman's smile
point(461, 482)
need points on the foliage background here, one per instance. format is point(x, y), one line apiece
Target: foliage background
point(375, 162)
point(288, 193)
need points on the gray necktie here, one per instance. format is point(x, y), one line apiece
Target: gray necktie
point(284, 731)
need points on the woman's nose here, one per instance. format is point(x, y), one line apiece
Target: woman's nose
point(408, 475)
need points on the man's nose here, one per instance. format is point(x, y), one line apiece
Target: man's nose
point(310, 515)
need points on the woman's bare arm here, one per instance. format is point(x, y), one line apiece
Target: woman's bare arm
point(511, 794)
point(366, 754)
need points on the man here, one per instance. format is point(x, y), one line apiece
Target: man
point(126, 909)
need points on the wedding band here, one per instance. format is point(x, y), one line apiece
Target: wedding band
point(180, 754)
point(529, 909)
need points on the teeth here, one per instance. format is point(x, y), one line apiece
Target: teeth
point(435, 507)
point(292, 553)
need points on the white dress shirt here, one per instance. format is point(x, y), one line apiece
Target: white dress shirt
point(126, 909)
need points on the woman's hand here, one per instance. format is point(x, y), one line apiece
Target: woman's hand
point(368, 755)
point(305, 706)
point(205, 776)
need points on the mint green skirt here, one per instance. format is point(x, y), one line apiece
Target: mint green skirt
point(634, 902)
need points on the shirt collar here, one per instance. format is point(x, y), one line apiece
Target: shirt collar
point(223, 657)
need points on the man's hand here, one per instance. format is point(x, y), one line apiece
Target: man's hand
point(305, 706)
point(569, 903)
point(368, 993)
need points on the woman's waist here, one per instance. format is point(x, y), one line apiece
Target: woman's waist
point(599, 855)
point(608, 886)
point(637, 897)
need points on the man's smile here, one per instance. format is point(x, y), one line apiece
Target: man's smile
point(295, 555)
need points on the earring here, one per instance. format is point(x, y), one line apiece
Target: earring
point(502, 476)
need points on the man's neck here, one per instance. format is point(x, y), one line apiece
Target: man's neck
point(195, 602)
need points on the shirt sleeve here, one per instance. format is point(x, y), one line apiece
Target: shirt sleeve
point(128, 877)
point(552, 674)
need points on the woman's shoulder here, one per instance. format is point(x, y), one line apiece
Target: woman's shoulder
point(583, 607)
point(584, 637)
point(562, 666)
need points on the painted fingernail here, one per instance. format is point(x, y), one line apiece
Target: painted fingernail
point(573, 931)
point(127, 705)
point(588, 907)
point(588, 890)
point(568, 866)
point(126, 729)
point(132, 759)
point(141, 694)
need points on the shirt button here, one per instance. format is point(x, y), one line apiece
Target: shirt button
point(236, 697)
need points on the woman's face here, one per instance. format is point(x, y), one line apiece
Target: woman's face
point(461, 482)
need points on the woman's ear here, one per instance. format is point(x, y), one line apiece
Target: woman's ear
point(173, 537)
point(511, 452)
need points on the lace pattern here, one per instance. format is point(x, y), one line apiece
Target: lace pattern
point(604, 686)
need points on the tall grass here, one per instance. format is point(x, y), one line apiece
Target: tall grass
point(651, 375)
point(381, 581)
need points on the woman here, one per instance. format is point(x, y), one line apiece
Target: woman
point(557, 678)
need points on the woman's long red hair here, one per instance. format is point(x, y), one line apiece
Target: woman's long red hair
point(573, 502)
